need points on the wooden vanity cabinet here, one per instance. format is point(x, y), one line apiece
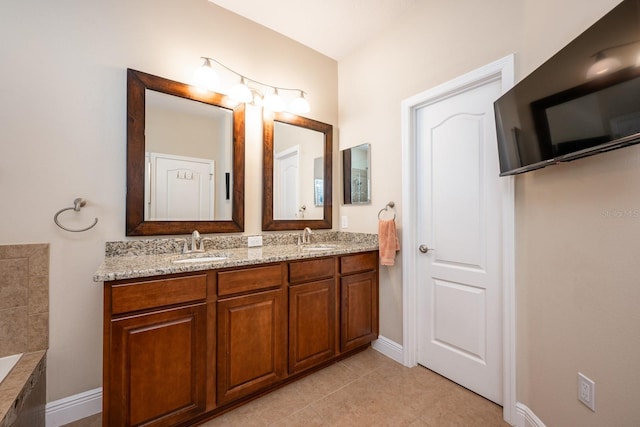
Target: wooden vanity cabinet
point(358, 300)
point(155, 369)
point(182, 348)
point(312, 312)
point(251, 331)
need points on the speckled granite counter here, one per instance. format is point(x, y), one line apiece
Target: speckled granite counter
point(22, 392)
point(145, 258)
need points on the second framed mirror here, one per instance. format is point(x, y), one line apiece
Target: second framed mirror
point(297, 173)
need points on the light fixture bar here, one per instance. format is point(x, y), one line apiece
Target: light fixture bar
point(299, 105)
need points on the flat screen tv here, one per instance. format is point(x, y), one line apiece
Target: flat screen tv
point(584, 100)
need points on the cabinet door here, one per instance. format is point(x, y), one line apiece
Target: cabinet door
point(311, 324)
point(358, 310)
point(251, 343)
point(157, 367)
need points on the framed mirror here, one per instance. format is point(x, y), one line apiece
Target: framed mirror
point(356, 174)
point(297, 173)
point(185, 159)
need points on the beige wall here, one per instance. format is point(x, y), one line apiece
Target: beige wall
point(577, 224)
point(63, 121)
point(62, 117)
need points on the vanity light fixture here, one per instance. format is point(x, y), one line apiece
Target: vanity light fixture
point(250, 91)
point(241, 92)
point(205, 77)
point(603, 65)
point(274, 102)
point(607, 64)
point(300, 104)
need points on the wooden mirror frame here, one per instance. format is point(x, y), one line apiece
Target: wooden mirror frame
point(268, 222)
point(137, 83)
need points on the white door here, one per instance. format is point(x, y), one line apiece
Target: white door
point(286, 184)
point(459, 275)
point(181, 188)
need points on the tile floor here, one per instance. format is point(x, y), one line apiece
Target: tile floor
point(367, 389)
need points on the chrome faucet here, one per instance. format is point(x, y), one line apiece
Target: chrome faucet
point(306, 235)
point(195, 238)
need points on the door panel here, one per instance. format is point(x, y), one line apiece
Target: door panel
point(251, 343)
point(311, 324)
point(460, 330)
point(158, 367)
point(181, 188)
point(457, 187)
point(460, 288)
point(359, 317)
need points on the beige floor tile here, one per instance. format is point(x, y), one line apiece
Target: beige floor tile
point(367, 389)
point(306, 417)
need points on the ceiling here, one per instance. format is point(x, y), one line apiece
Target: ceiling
point(334, 28)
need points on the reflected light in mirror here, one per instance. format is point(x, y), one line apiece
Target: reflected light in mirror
point(603, 65)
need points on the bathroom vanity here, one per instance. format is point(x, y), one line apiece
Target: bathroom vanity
point(186, 341)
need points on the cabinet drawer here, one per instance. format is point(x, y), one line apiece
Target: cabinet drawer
point(250, 279)
point(307, 271)
point(360, 262)
point(157, 293)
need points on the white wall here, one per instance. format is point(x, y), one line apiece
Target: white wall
point(63, 133)
point(577, 223)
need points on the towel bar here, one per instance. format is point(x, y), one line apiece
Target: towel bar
point(77, 204)
point(386, 208)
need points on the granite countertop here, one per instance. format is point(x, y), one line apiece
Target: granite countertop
point(133, 259)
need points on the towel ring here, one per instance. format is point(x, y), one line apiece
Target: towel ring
point(77, 204)
point(386, 208)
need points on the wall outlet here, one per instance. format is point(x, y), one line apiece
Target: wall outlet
point(587, 391)
point(345, 221)
point(253, 241)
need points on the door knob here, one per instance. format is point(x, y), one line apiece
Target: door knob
point(424, 249)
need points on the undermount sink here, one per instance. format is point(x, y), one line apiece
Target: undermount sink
point(319, 247)
point(201, 259)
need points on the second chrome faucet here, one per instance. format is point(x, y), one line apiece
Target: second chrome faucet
point(196, 244)
point(306, 235)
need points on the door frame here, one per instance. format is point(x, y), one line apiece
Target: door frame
point(503, 70)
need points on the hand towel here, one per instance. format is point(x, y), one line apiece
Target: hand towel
point(388, 242)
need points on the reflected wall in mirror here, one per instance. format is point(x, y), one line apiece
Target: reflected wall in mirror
point(356, 174)
point(297, 173)
point(185, 159)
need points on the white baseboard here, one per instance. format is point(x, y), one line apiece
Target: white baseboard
point(389, 348)
point(73, 408)
point(526, 417)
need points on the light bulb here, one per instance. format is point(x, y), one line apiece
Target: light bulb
point(205, 77)
point(603, 65)
point(274, 102)
point(299, 105)
point(240, 92)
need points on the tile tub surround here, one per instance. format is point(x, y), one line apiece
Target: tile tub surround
point(22, 399)
point(24, 298)
point(154, 257)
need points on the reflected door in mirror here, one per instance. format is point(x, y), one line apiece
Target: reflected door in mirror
point(296, 152)
point(184, 140)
